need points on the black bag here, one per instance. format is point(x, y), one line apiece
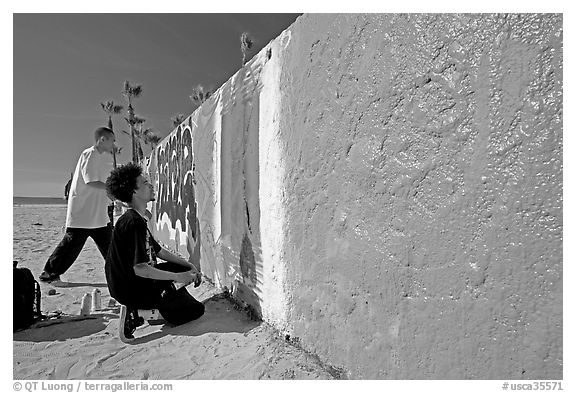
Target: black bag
point(26, 298)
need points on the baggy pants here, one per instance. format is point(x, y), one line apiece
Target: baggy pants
point(73, 242)
point(177, 306)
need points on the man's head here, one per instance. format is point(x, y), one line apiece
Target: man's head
point(127, 184)
point(105, 139)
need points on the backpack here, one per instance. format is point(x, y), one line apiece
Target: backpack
point(26, 298)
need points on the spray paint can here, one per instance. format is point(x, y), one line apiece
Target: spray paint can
point(96, 300)
point(86, 304)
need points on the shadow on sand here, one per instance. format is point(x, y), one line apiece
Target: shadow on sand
point(65, 284)
point(64, 327)
point(220, 316)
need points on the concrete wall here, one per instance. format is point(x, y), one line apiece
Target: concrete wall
point(214, 175)
point(387, 189)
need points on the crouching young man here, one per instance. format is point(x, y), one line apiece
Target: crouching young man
point(135, 278)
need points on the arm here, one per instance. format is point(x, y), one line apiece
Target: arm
point(146, 271)
point(92, 173)
point(168, 256)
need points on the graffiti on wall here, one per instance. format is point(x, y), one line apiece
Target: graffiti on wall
point(206, 177)
point(175, 207)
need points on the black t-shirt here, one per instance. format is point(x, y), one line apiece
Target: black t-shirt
point(131, 244)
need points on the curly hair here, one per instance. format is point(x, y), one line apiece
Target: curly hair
point(122, 181)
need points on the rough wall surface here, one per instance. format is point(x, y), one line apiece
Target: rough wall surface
point(423, 159)
point(391, 192)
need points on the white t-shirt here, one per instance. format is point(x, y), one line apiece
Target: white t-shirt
point(87, 205)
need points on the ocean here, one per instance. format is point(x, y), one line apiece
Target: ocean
point(38, 201)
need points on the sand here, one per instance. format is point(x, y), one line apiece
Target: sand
point(224, 344)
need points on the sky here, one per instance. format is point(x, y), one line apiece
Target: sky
point(65, 65)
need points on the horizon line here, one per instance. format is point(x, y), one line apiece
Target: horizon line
point(26, 196)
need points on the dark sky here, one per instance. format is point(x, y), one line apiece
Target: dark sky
point(65, 65)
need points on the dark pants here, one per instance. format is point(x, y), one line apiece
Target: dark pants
point(176, 306)
point(70, 246)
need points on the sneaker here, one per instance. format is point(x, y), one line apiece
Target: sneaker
point(129, 321)
point(49, 277)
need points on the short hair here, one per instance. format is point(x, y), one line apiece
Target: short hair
point(122, 181)
point(102, 131)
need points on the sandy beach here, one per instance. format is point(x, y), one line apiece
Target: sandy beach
point(224, 344)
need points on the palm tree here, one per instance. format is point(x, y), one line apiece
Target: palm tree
point(110, 108)
point(245, 46)
point(199, 95)
point(135, 133)
point(150, 138)
point(138, 122)
point(129, 92)
point(117, 150)
point(177, 119)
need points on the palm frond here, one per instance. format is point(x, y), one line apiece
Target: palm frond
point(139, 120)
point(136, 91)
point(177, 120)
point(200, 95)
point(245, 46)
point(106, 106)
point(110, 107)
point(130, 91)
point(154, 140)
point(150, 137)
point(245, 42)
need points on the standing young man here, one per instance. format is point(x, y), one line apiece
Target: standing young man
point(135, 278)
point(87, 213)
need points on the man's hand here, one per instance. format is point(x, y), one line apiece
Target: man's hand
point(185, 277)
